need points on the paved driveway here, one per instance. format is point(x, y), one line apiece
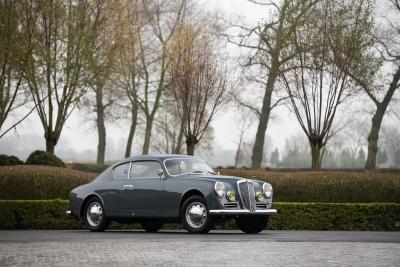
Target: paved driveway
point(218, 248)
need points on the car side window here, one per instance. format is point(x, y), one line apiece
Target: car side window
point(143, 169)
point(121, 171)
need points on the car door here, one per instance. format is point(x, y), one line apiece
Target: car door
point(112, 191)
point(143, 189)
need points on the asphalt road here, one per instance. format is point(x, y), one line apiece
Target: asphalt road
point(218, 248)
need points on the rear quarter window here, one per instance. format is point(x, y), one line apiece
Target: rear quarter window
point(121, 171)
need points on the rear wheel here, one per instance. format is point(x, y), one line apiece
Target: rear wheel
point(151, 226)
point(95, 219)
point(195, 217)
point(252, 224)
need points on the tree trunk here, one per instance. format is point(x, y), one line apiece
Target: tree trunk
point(238, 150)
point(131, 132)
point(101, 129)
point(178, 148)
point(51, 141)
point(50, 145)
point(258, 148)
point(191, 142)
point(147, 135)
point(315, 157)
point(190, 148)
point(377, 121)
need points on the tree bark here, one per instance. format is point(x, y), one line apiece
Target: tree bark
point(238, 150)
point(258, 147)
point(51, 138)
point(131, 132)
point(101, 129)
point(377, 121)
point(190, 148)
point(191, 142)
point(178, 148)
point(315, 157)
point(147, 135)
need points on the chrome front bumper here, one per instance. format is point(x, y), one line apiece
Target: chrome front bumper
point(243, 212)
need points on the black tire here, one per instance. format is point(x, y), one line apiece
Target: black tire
point(205, 221)
point(252, 224)
point(103, 221)
point(151, 226)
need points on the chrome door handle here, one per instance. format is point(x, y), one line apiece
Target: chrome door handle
point(127, 187)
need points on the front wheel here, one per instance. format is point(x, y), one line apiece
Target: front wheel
point(252, 224)
point(195, 217)
point(95, 218)
point(151, 226)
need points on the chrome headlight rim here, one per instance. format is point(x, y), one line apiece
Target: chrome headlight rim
point(267, 189)
point(220, 189)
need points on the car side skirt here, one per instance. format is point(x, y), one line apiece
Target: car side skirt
point(243, 212)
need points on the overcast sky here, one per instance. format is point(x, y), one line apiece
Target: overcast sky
point(79, 137)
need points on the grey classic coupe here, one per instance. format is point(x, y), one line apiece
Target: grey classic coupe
point(153, 190)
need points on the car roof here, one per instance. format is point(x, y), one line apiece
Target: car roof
point(157, 157)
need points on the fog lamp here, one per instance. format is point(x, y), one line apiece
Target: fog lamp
point(259, 196)
point(231, 196)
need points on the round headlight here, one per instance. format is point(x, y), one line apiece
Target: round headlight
point(267, 189)
point(220, 189)
point(230, 196)
point(259, 196)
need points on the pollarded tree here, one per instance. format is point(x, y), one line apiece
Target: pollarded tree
point(198, 81)
point(317, 83)
point(60, 52)
point(268, 43)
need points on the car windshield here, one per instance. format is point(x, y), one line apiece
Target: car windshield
point(189, 166)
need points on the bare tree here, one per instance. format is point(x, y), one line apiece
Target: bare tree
point(317, 84)
point(269, 42)
point(55, 68)
point(163, 17)
point(380, 92)
point(105, 30)
point(15, 40)
point(198, 81)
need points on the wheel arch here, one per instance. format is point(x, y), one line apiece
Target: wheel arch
point(86, 199)
point(189, 193)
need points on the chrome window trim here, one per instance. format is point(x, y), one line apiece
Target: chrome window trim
point(130, 167)
point(129, 170)
point(148, 177)
point(166, 169)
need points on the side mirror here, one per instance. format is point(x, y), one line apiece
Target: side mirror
point(160, 173)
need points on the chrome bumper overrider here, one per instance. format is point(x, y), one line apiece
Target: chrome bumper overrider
point(240, 212)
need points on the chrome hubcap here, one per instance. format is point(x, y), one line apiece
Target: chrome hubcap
point(196, 214)
point(94, 214)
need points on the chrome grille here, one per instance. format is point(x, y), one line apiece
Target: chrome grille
point(246, 192)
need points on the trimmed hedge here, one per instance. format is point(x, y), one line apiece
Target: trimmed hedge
point(88, 167)
point(6, 160)
point(39, 182)
point(40, 157)
point(49, 214)
point(44, 182)
point(328, 187)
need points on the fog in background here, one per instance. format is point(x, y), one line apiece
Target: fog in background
point(286, 144)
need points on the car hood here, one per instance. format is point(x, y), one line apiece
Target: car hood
point(232, 180)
